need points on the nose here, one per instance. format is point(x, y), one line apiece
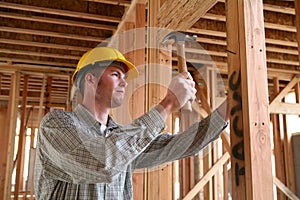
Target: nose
point(123, 82)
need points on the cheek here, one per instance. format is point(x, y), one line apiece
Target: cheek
point(105, 85)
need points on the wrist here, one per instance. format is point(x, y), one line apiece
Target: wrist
point(165, 108)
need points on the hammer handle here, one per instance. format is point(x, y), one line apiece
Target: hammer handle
point(182, 67)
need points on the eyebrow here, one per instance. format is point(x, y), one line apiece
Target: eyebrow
point(119, 71)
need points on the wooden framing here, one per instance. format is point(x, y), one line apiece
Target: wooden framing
point(190, 11)
point(12, 116)
point(49, 56)
point(21, 146)
point(248, 102)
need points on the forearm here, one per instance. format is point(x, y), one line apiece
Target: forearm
point(167, 147)
point(223, 110)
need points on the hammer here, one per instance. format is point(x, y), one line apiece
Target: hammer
point(180, 39)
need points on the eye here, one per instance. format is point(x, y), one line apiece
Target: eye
point(115, 74)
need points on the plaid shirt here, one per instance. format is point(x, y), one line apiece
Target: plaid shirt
point(76, 160)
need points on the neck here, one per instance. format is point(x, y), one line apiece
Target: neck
point(99, 112)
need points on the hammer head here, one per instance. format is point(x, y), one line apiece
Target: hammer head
point(175, 37)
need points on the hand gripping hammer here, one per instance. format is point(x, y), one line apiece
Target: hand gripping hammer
point(179, 39)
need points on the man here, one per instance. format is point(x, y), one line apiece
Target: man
point(85, 154)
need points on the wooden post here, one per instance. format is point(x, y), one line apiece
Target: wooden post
point(248, 93)
point(207, 160)
point(48, 95)
point(139, 94)
point(278, 144)
point(289, 157)
point(22, 140)
point(3, 144)
point(297, 14)
point(152, 91)
point(12, 116)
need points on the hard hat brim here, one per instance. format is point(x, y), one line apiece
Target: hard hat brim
point(132, 71)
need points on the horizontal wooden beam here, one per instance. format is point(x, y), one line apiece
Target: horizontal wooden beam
point(39, 54)
point(51, 34)
point(222, 34)
point(43, 45)
point(67, 13)
point(285, 91)
point(113, 2)
point(268, 25)
point(58, 21)
point(279, 9)
point(37, 69)
point(59, 65)
point(285, 108)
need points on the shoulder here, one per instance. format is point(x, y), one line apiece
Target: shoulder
point(58, 118)
point(58, 131)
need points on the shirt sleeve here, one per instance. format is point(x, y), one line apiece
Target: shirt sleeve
point(167, 147)
point(77, 154)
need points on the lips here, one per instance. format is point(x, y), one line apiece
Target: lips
point(120, 91)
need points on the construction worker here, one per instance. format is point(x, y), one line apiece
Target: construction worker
point(85, 154)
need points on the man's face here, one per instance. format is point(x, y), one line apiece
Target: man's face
point(111, 87)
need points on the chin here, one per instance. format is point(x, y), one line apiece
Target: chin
point(116, 104)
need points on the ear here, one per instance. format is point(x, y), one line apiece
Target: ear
point(89, 78)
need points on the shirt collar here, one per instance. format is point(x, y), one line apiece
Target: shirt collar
point(86, 117)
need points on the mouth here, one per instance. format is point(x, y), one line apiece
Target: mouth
point(120, 91)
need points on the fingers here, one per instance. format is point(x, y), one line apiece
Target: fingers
point(186, 75)
point(183, 89)
point(189, 77)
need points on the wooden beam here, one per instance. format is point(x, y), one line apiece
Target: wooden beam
point(268, 25)
point(51, 34)
point(39, 54)
point(22, 140)
point(58, 21)
point(285, 108)
point(248, 95)
point(44, 45)
point(3, 145)
point(37, 69)
point(285, 91)
point(12, 116)
point(129, 15)
point(182, 14)
point(285, 189)
point(139, 178)
point(278, 144)
point(207, 176)
point(59, 12)
point(279, 9)
point(113, 2)
point(222, 34)
point(297, 15)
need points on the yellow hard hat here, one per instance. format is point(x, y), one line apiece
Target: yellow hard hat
point(105, 54)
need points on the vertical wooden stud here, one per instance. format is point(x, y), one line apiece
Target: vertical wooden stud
point(248, 94)
point(3, 144)
point(278, 144)
point(48, 94)
point(152, 90)
point(22, 140)
point(139, 94)
point(12, 116)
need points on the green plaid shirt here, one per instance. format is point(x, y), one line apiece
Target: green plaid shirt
point(76, 160)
